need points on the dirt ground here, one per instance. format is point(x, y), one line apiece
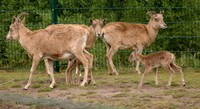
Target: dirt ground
point(118, 92)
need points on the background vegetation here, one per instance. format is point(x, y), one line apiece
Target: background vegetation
point(181, 16)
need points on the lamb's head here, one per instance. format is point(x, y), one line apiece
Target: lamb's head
point(157, 20)
point(13, 33)
point(132, 57)
point(97, 26)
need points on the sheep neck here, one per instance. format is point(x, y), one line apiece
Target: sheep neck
point(91, 38)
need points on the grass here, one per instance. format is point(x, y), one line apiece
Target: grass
point(112, 91)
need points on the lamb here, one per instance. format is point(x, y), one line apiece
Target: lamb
point(120, 35)
point(155, 60)
point(54, 43)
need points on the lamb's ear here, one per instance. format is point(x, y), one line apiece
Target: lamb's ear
point(162, 12)
point(151, 13)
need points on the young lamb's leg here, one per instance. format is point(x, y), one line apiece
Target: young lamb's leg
point(89, 56)
point(137, 69)
point(80, 55)
point(147, 70)
point(168, 68)
point(35, 63)
point(109, 56)
point(68, 72)
point(51, 74)
point(178, 68)
point(156, 75)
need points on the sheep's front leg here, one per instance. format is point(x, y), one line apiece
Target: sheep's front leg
point(35, 63)
point(51, 74)
point(46, 62)
point(89, 56)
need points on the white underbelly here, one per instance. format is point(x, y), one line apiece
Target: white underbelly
point(66, 56)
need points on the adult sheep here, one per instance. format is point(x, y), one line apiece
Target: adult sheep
point(59, 43)
point(120, 35)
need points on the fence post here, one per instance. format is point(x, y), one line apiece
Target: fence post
point(54, 13)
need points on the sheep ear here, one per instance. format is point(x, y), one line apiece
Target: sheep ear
point(151, 13)
point(104, 21)
point(23, 21)
point(90, 20)
point(162, 12)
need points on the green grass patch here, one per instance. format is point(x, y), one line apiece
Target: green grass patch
point(15, 85)
point(35, 86)
point(45, 90)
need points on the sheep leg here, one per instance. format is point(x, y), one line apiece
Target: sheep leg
point(108, 65)
point(89, 56)
point(68, 72)
point(156, 75)
point(78, 68)
point(178, 68)
point(147, 70)
point(168, 68)
point(80, 55)
point(35, 63)
point(47, 65)
point(109, 56)
point(50, 72)
point(137, 69)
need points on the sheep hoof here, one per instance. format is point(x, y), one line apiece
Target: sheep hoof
point(82, 85)
point(137, 71)
point(51, 86)
point(25, 88)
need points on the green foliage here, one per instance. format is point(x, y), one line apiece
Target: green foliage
point(181, 16)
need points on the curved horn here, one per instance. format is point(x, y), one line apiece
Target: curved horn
point(162, 12)
point(13, 19)
point(151, 13)
point(21, 14)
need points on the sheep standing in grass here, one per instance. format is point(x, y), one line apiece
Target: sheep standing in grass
point(65, 42)
point(155, 60)
point(121, 35)
point(94, 32)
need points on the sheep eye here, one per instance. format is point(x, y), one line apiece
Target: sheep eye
point(156, 19)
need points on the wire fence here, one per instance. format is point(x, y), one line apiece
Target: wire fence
point(181, 37)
